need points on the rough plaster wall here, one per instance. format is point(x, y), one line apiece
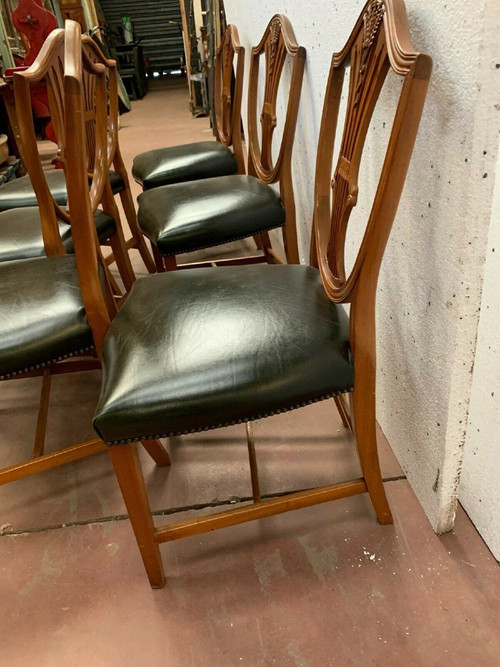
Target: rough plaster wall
point(430, 284)
point(480, 481)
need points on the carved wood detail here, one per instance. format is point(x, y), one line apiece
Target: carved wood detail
point(228, 92)
point(374, 47)
point(277, 44)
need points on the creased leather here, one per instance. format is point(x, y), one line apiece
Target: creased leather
point(192, 350)
point(188, 216)
point(188, 162)
point(41, 313)
point(19, 192)
point(21, 235)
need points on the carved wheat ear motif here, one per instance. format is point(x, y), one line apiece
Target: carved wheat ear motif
point(372, 20)
point(227, 48)
point(275, 30)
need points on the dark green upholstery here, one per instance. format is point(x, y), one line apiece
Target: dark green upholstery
point(105, 226)
point(188, 162)
point(198, 349)
point(19, 192)
point(21, 235)
point(43, 318)
point(200, 214)
point(116, 181)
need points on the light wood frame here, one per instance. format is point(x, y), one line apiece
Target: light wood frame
point(380, 41)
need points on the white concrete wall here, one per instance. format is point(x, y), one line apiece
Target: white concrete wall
point(430, 284)
point(480, 480)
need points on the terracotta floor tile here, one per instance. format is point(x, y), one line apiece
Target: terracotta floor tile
point(323, 586)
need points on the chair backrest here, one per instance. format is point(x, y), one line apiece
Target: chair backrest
point(228, 92)
point(277, 43)
point(48, 67)
point(84, 61)
point(379, 42)
point(93, 53)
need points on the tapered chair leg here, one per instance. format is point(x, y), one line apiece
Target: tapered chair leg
point(170, 263)
point(343, 410)
point(157, 452)
point(130, 478)
point(117, 241)
point(159, 263)
point(363, 405)
point(254, 471)
point(43, 413)
point(139, 241)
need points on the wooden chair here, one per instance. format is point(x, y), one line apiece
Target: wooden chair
point(183, 217)
point(237, 344)
point(205, 159)
point(20, 234)
point(20, 193)
point(45, 329)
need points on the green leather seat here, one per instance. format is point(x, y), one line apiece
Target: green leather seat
point(21, 235)
point(188, 162)
point(200, 214)
point(19, 192)
point(199, 349)
point(43, 318)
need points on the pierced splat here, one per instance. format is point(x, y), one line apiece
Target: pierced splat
point(275, 53)
point(379, 42)
point(368, 69)
point(276, 44)
point(225, 74)
point(54, 80)
point(51, 74)
point(228, 91)
point(89, 84)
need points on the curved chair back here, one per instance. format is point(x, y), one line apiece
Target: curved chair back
point(83, 62)
point(277, 43)
point(92, 54)
point(379, 42)
point(97, 88)
point(48, 67)
point(228, 91)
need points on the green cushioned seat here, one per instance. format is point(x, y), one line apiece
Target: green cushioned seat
point(19, 192)
point(43, 318)
point(21, 235)
point(195, 350)
point(200, 214)
point(188, 162)
point(116, 181)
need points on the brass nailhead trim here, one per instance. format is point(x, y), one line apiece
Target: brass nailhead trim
point(127, 441)
point(45, 363)
point(213, 245)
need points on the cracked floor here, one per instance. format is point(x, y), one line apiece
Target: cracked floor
point(322, 586)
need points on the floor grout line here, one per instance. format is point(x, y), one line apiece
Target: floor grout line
point(165, 512)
